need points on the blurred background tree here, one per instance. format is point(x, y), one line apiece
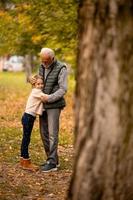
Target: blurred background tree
point(27, 26)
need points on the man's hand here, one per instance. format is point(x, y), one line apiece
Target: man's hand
point(44, 98)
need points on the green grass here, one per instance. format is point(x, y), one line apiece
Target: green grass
point(10, 142)
point(12, 79)
point(71, 83)
point(17, 82)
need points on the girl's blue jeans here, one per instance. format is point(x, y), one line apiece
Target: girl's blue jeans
point(27, 122)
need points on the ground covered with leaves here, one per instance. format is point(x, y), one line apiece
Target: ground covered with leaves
point(18, 184)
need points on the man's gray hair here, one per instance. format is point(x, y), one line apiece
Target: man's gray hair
point(47, 51)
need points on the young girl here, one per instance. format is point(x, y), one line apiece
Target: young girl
point(34, 107)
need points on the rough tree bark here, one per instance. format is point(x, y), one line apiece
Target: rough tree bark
point(103, 167)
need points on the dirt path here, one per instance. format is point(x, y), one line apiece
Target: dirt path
point(18, 184)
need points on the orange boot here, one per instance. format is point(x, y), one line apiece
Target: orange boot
point(26, 164)
point(21, 161)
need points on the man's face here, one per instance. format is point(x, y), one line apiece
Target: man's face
point(46, 60)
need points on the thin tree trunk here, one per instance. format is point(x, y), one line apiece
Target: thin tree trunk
point(28, 66)
point(104, 102)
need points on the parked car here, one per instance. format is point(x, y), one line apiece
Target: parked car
point(14, 63)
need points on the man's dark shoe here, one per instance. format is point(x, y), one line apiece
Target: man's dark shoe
point(47, 162)
point(49, 167)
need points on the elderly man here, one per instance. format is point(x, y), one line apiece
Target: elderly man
point(54, 74)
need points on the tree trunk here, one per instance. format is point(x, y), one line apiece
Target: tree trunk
point(28, 66)
point(104, 102)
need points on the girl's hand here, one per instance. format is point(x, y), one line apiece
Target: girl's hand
point(44, 98)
